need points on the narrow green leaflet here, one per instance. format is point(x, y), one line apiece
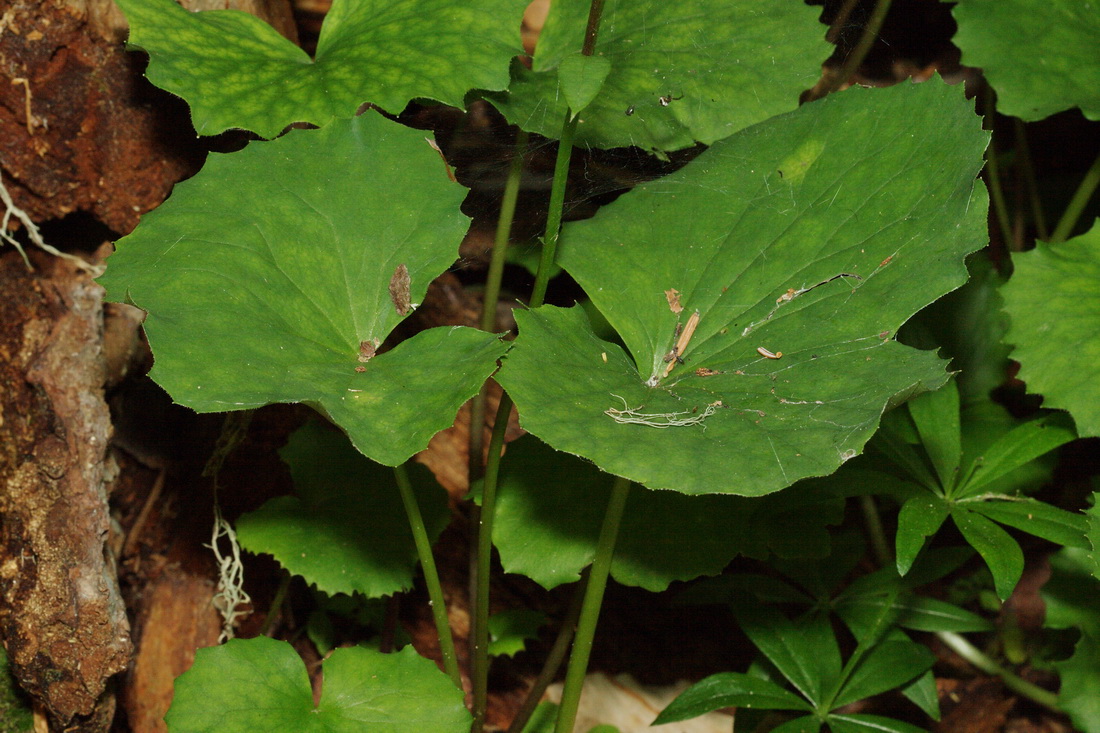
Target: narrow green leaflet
point(550, 506)
point(936, 415)
point(886, 665)
point(729, 689)
point(288, 303)
point(1039, 55)
point(1013, 445)
point(920, 518)
point(237, 71)
point(777, 265)
point(345, 530)
point(1053, 300)
point(261, 684)
point(859, 723)
point(680, 72)
point(1001, 553)
point(1037, 518)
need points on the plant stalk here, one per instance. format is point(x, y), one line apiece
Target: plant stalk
point(1017, 684)
point(431, 575)
point(1077, 204)
point(993, 173)
point(554, 214)
point(863, 46)
point(872, 522)
point(276, 604)
point(480, 632)
point(590, 609)
point(554, 658)
point(1027, 167)
point(476, 445)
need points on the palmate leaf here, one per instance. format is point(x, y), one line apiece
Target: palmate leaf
point(261, 684)
point(1039, 55)
point(802, 251)
point(680, 72)
point(1053, 299)
point(237, 71)
point(273, 275)
point(345, 530)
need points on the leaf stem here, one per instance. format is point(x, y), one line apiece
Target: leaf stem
point(1017, 684)
point(480, 671)
point(276, 603)
point(476, 454)
point(431, 575)
point(590, 609)
point(554, 213)
point(1077, 204)
point(863, 46)
point(872, 522)
point(993, 173)
point(1027, 168)
point(554, 658)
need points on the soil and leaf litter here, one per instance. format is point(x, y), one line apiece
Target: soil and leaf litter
point(736, 379)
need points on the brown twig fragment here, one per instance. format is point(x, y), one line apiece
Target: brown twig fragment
point(682, 342)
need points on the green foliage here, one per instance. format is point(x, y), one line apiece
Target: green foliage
point(237, 71)
point(679, 72)
point(1070, 598)
point(15, 711)
point(1040, 57)
point(261, 684)
point(805, 653)
point(509, 631)
point(345, 529)
point(794, 256)
point(287, 301)
point(1054, 303)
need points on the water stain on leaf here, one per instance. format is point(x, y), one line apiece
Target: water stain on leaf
point(399, 290)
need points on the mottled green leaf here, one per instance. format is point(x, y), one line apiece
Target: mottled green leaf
point(794, 239)
point(273, 274)
point(1053, 299)
point(260, 684)
point(1040, 56)
point(345, 530)
point(680, 72)
point(237, 71)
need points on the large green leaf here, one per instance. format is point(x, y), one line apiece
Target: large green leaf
point(273, 274)
point(798, 239)
point(1070, 596)
point(1053, 299)
point(1040, 55)
point(260, 684)
point(345, 530)
point(237, 71)
point(680, 72)
point(550, 506)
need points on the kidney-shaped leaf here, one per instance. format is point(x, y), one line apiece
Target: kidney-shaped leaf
point(550, 506)
point(680, 72)
point(1040, 56)
point(777, 266)
point(237, 71)
point(261, 684)
point(345, 530)
point(1053, 299)
point(275, 273)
